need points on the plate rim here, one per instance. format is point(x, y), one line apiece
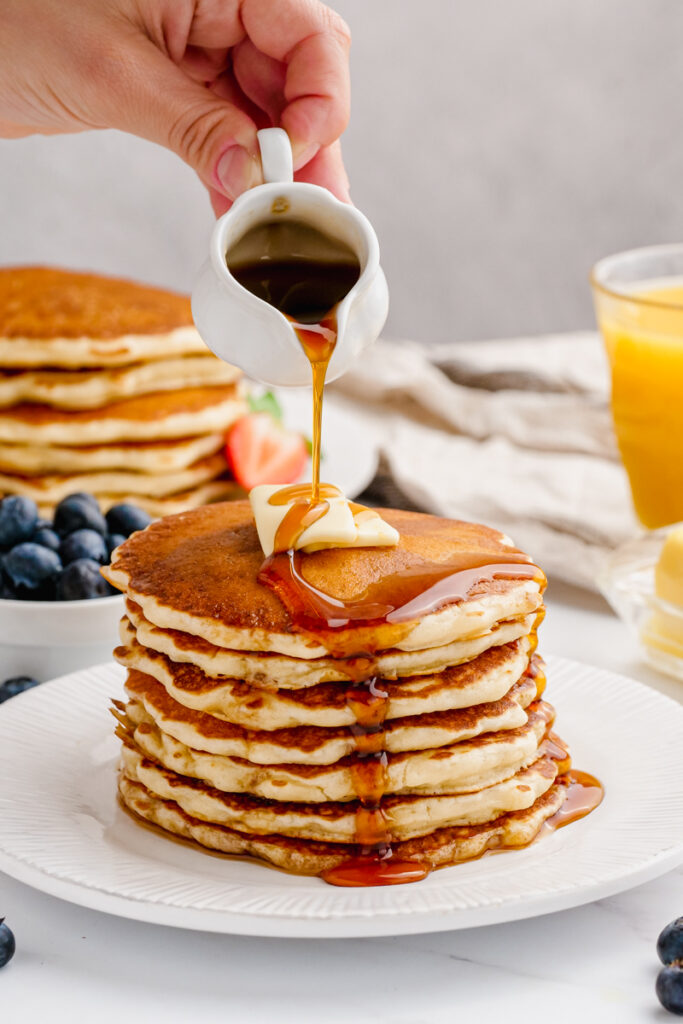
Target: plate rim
point(365, 921)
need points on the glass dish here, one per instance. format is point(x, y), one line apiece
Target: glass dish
point(628, 582)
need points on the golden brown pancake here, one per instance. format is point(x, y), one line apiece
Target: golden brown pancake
point(51, 489)
point(135, 456)
point(51, 318)
point(440, 848)
point(484, 679)
point(316, 745)
point(199, 572)
point(46, 302)
point(278, 671)
point(463, 767)
point(215, 490)
point(148, 418)
point(411, 816)
point(94, 388)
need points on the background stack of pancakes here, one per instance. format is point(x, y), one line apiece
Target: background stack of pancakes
point(106, 387)
point(240, 730)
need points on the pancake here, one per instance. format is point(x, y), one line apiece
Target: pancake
point(440, 848)
point(273, 671)
point(51, 489)
point(314, 745)
point(215, 490)
point(61, 318)
point(90, 389)
point(150, 457)
point(218, 545)
point(459, 768)
point(482, 680)
point(410, 817)
point(152, 417)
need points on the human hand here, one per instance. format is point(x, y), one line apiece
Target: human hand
point(197, 76)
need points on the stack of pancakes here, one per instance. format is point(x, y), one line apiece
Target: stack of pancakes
point(106, 387)
point(239, 730)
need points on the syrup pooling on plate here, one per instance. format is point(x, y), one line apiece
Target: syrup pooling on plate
point(584, 794)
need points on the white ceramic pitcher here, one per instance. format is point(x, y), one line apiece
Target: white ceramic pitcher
point(243, 329)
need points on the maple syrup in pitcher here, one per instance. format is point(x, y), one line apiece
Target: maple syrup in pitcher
point(304, 273)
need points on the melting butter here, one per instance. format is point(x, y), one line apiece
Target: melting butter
point(341, 524)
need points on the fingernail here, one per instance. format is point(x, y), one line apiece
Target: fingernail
point(236, 171)
point(303, 154)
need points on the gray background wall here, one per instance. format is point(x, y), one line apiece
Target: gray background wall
point(499, 148)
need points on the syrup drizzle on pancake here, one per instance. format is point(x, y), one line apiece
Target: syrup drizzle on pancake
point(374, 863)
point(397, 597)
point(305, 511)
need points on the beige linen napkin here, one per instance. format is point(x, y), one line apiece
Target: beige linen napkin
point(513, 433)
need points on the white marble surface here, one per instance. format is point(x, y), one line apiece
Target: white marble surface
point(596, 963)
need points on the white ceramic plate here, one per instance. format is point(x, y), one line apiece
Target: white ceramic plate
point(62, 831)
point(349, 453)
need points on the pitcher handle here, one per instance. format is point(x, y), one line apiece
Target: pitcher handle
point(276, 155)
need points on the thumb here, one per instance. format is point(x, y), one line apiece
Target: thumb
point(217, 139)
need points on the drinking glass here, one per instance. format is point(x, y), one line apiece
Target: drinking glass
point(639, 307)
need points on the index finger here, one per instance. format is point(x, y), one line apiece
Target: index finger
point(313, 42)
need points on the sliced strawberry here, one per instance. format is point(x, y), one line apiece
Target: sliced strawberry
point(260, 451)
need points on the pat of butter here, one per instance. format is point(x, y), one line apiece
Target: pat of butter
point(669, 569)
point(341, 526)
point(664, 630)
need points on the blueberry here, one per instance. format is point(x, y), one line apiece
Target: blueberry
point(669, 989)
point(47, 538)
point(670, 942)
point(113, 540)
point(11, 687)
point(7, 944)
point(30, 564)
point(79, 512)
point(84, 496)
point(18, 517)
point(81, 580)
point(83, 544)
point(126, 519)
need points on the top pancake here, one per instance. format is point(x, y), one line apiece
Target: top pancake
point(52, 317)
point(198, 572)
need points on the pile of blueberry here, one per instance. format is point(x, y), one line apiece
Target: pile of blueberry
point(60, 560)
point(670, 978)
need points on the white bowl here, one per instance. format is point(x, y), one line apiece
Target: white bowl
point(45, 639)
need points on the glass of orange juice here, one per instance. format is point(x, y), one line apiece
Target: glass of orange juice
point(639, 306)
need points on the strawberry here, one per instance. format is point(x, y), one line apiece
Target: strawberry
point(261, 451)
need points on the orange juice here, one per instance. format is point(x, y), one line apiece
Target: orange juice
point(643, 332)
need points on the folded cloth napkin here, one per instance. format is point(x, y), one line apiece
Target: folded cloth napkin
point(515, 433)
